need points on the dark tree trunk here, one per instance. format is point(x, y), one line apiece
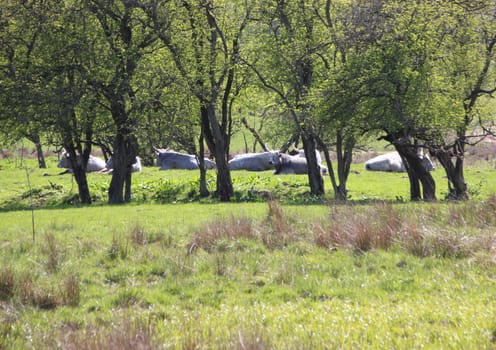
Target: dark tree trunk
point(315, 179)
point(125, 152)
point(40, 156)
point(35, 138)
point(39, 151)
point(338, 194)
point(78, 163)
point(344, 153)
point(417, 174)
point(203, 171)
point(82, 183)
point(224, 182)
point(457, 187)
point(216, 141)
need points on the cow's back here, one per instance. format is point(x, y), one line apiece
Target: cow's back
point(291, 165)
point(254, 161)
point(385, 162)
point(174, 160)
point(94, 163)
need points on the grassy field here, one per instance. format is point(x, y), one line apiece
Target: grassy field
point(249, 275)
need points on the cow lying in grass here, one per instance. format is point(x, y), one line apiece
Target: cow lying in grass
point(296, 164)
point(254, 161)
point(167, 159)
point(392, 162)
point(94, 164)
point(109, 166)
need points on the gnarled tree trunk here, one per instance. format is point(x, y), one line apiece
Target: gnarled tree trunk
point(422, 184)
point(457, 187)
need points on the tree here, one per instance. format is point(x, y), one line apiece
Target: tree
point(401, 92)
point(43, 87)
point(468, 64)
point(283, 60)
point(336, 101)
point(204, 40)
point(20, 31)
point(117, 50)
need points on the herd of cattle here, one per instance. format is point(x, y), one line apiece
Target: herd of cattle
point(281, 163)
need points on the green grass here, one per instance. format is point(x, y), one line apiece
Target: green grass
point(135, 263)
point(164, 272)
point(50, 189)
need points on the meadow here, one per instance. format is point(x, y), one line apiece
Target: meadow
point(170, 271)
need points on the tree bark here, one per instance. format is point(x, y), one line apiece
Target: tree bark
point(203, 172)
point(35, 138)
point(78, 163)
point(216, 141)
point(344, 153)
point(125, 152)
point(422, 184)
point(315, 179)
point(255, 134)
point(457, 187)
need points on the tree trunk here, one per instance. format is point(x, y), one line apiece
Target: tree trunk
point(203, 172)
point(224, 182)
point(82, 183)
point(39, 151)
point(125, 152)
point(417, 174)
point(340, 192)
point(78, 163)
point(40, 156)
point(344, 153)
point(216, 142)
point(457, 187)
point(315, 179)
point(35, 138)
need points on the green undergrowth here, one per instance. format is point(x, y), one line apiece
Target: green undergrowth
point(249, 275)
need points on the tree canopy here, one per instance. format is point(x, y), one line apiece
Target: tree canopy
point(131, 75)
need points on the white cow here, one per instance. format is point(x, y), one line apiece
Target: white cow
point(296, 164)
point(301, 153)
point(94, 163)
point(392, 162)
point(167, 159)
point(254, 161)
point(136, 166)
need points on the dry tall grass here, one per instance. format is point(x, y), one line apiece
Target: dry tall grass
point(7, 283)
point(52, 250)
point(361, 229)
point(124, 334)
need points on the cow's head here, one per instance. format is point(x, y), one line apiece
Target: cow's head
point(274, 158)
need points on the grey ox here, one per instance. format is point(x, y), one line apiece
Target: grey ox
point(136, 166)
point(254, 161)
point(296, 164)
point(167, 160)
point(94, 163)
point(392, 162)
